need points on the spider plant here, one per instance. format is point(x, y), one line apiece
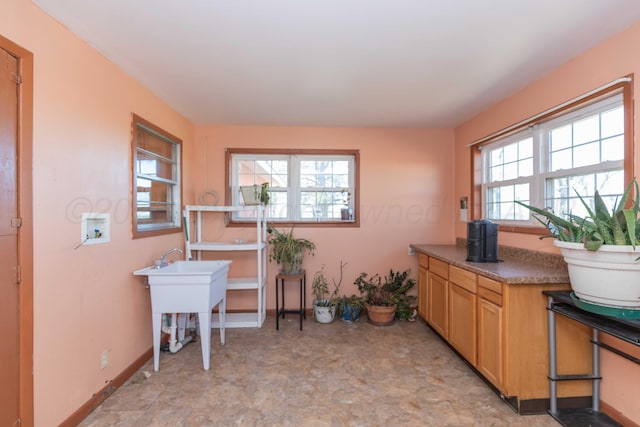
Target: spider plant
point(288, 250)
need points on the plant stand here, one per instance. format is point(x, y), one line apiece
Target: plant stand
point(560, 303)
point(280, 310)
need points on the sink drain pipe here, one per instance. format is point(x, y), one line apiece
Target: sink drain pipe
point(175, 345)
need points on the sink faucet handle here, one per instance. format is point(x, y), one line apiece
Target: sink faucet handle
point(170, 251)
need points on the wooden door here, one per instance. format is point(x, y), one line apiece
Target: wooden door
point(422, 292)
point(437, 303)
point(9, 273)
point(490, 341)
point(462, 322)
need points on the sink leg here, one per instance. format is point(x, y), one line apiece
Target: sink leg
point(205, 338)
point(222, 309)
point(156, 319)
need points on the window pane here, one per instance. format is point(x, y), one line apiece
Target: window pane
point(511, 153)
point(610, 183)
point(561, 160)
point(496, 174)
point(525, 148)
point(613, 149)
point(612, 122)
point(526, 167)
point(587, 154)
point(586, 130)
point(510, 171)
point(560, 138)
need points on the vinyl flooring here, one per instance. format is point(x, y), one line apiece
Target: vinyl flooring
point(338, 374)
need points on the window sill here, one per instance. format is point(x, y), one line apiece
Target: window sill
point(317, 224)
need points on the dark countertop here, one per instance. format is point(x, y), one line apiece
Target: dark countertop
point(518, 266)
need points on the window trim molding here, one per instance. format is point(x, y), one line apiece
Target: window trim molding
point(295, 151)
point(625, 87)
point(136, 234)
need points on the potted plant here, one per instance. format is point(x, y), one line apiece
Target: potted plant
point(600, 251)
point(383, 296)
point(349, 307)
point(287, 250)
point(345, 213)
point(324, 302)
point(255, 194)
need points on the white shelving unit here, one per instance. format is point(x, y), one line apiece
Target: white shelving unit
point(194, 245)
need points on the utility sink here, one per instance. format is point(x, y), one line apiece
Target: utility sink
point(188, 287)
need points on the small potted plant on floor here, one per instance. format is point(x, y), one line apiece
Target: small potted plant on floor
point(287, 250)
point(349, 307)
point(601, 252)
point(324, 302)
point(383, 296)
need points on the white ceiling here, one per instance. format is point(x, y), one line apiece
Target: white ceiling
point(360, 63)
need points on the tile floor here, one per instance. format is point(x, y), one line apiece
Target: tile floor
point(340, 374)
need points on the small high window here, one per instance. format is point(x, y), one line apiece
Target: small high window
point(156, 180)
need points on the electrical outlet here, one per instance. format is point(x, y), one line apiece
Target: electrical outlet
point(104, 359)
point(411, 251)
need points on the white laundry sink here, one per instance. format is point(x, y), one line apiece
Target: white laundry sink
point(188, 287)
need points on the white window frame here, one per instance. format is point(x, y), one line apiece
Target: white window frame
point(541, 155)
point(294, 189)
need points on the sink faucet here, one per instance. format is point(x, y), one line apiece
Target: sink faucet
point(162, 261)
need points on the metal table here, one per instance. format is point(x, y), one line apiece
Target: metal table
point(560, 302)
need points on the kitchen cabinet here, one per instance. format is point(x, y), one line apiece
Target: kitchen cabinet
point(423, 280)
point(438, 296)
point(499, 326)
point(462, 312)
point(490, 331)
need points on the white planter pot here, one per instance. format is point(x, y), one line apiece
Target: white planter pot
point(609, 276)
point(323, 314)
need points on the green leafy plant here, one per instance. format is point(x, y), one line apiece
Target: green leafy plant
point(352, 301)
point(320, 289)
point(257, 193)
point(287, 250)
point(387, 291)
point(620, 227)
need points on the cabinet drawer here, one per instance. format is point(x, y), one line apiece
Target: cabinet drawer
point(438, 267)
point(423, 261)
point(492, 285)
point(463, 278)
point(490, 296)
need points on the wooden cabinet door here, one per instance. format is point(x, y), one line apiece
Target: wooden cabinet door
point(422, 292)
point(462, 322)
point(437, 299)
point(490, 362)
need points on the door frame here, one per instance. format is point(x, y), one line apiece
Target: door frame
point(25, 232)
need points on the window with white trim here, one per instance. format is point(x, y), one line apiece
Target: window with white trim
point(309, 187)
point(548, 164)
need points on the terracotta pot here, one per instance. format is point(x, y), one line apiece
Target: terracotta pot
point(381, 315)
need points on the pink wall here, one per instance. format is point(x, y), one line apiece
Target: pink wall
point(406, 194)
point(85, 299)
point(606, 62)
